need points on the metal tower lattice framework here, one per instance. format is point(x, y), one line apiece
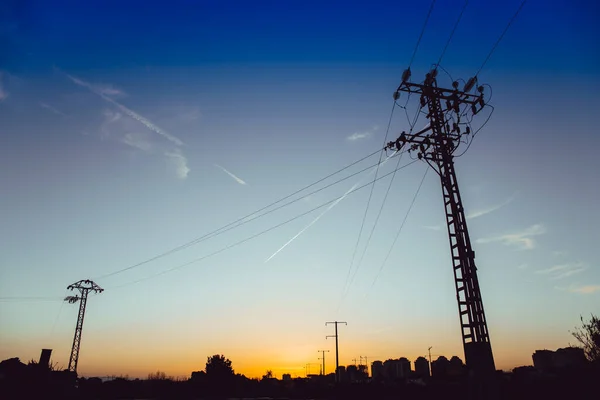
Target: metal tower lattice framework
point(436, 145)
point(84, 287)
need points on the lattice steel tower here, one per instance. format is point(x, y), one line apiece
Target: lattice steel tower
point(84, 287)
point(450, 112)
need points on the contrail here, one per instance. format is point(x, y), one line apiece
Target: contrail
point(313, 222)
point(238, 180)
point(329, 208)
point(127, 111)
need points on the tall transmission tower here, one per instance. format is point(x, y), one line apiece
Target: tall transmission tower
point(337, 354)
point(84, 287)
point(449, 112)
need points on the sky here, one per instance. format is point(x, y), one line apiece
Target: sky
point(129, 129)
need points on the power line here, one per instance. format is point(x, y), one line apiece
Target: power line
point(400, 228)
point(240, 221)
point(501, 36)
point(349, 285)
point(422, 32)
point(452, 33)
point(15, 299)
point(262, 232)
point(362, 224)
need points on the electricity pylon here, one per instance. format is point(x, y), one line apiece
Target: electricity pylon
point(84, 287)
point(436, 145)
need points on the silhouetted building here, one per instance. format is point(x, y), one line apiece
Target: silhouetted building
point(341, 373)
point(403, 368)
point(456, 367)
point(543, 359)
point(422, 367)
point(286, 377)
point(377, 369)
point(352, 373)
point(439, 367)
point(45, 358)
point(390, 369)
point(568, 357)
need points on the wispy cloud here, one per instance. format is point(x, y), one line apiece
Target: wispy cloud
point(3, 92)
point(238, 180)
point(137, 140)
point(179, 161)
point(147, 123)
point(563, 270)
point(522, 239)
point(170, 149)
point(582, 289)
point(362, 135)
point(52, 109)
point(488, 210)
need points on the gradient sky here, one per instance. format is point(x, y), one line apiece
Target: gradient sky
point(130, 128)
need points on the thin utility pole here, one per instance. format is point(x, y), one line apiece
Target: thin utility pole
point(429, 350)
point(323, 359)
point(337, 354)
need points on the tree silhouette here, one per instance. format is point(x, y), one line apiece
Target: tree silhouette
point(589, 337)
point(268, 374)
point(218, 367)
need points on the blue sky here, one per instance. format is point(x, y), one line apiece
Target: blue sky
point(128, 130)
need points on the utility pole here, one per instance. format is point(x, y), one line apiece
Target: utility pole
point(323, 359)
point(449, 126)
point(337, 354)
point(429, 350)
point(354, 360)
point(84, 287)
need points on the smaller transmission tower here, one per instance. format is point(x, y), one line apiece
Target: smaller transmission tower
point(85, 287)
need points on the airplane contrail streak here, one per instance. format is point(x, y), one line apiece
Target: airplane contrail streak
point(329, 208)
point(127, 111)
point(238, 180)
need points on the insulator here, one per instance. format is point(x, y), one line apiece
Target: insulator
point(481, 102)
point(457, 107)
point(474, 109)
point(480, 89)
point(448, 105)
point(406, 75)
point(458, 129)
point(423, 101)
point(403, 136)
point(468, 130)
point(454, 126)
point(447, 127)
point(470, 84)
point(422, 148)
point(434, 73)
point(420, 155)
point(455, 84)
point(396, 95)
